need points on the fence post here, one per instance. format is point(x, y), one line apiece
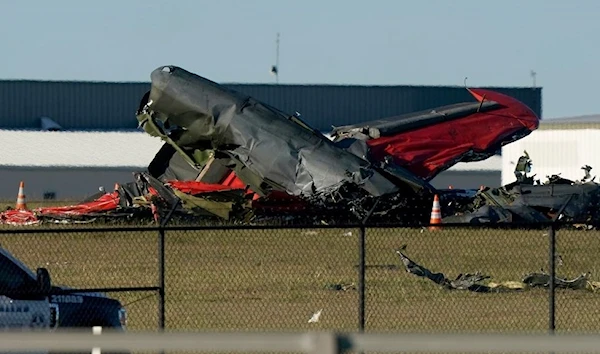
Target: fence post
point(361, 266)
point(161, 265)
point(161, 278)
point(361, 279)
point(552, 287)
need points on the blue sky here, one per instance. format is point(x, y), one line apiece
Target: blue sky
point(419, 42)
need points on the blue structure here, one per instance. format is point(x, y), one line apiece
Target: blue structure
point(78, 105)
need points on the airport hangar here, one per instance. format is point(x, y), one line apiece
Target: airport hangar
point(97, 142)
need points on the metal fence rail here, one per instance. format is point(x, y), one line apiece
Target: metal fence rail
point(307, 342)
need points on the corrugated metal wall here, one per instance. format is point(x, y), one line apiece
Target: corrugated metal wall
point(99, 105)
point(74, 105)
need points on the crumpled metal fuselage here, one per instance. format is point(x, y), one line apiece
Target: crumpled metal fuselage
point(272, 151)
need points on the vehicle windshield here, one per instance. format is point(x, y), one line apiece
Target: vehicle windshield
point(13, 278)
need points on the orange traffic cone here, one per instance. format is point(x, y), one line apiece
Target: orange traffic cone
point(436, 213)
point(21, 204)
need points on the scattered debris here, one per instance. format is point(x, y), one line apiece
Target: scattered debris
point(542, 279)
point(341, 286)
point(528, 200)
point(473, 282)
point(315, 317)
point(462, 281)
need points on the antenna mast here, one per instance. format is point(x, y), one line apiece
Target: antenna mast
point(275, 68)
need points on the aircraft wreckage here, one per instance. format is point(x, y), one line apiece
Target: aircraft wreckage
point(528, 200)
point(227, 156)
point(480, 283)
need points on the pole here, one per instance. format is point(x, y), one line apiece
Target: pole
point(361, 279)
point(361, 267)
point(161, 267)
point(277, 59)
point(552, 289)
point(161, 279)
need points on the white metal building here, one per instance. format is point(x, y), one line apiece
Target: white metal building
point(72, 165)
point(560, 146)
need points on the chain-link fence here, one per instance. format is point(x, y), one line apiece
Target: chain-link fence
point(460, 279)
point(577, 263)
point(121, 265)
point(261, 279)
point(472, 278)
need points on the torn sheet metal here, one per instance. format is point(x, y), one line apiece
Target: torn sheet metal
point(194, 188)
point(462, 281)
point(485, 214)
point(222, 209)
point(107, 202)
point(475, 282)
point(141, 199)
point(542, 279)
point(19, 218)
point(104, 205)
point(530, 201)
point(216, 199)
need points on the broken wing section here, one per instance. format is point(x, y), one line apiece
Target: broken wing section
point(429, 142)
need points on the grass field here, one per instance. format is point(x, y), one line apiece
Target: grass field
point(276, 279)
